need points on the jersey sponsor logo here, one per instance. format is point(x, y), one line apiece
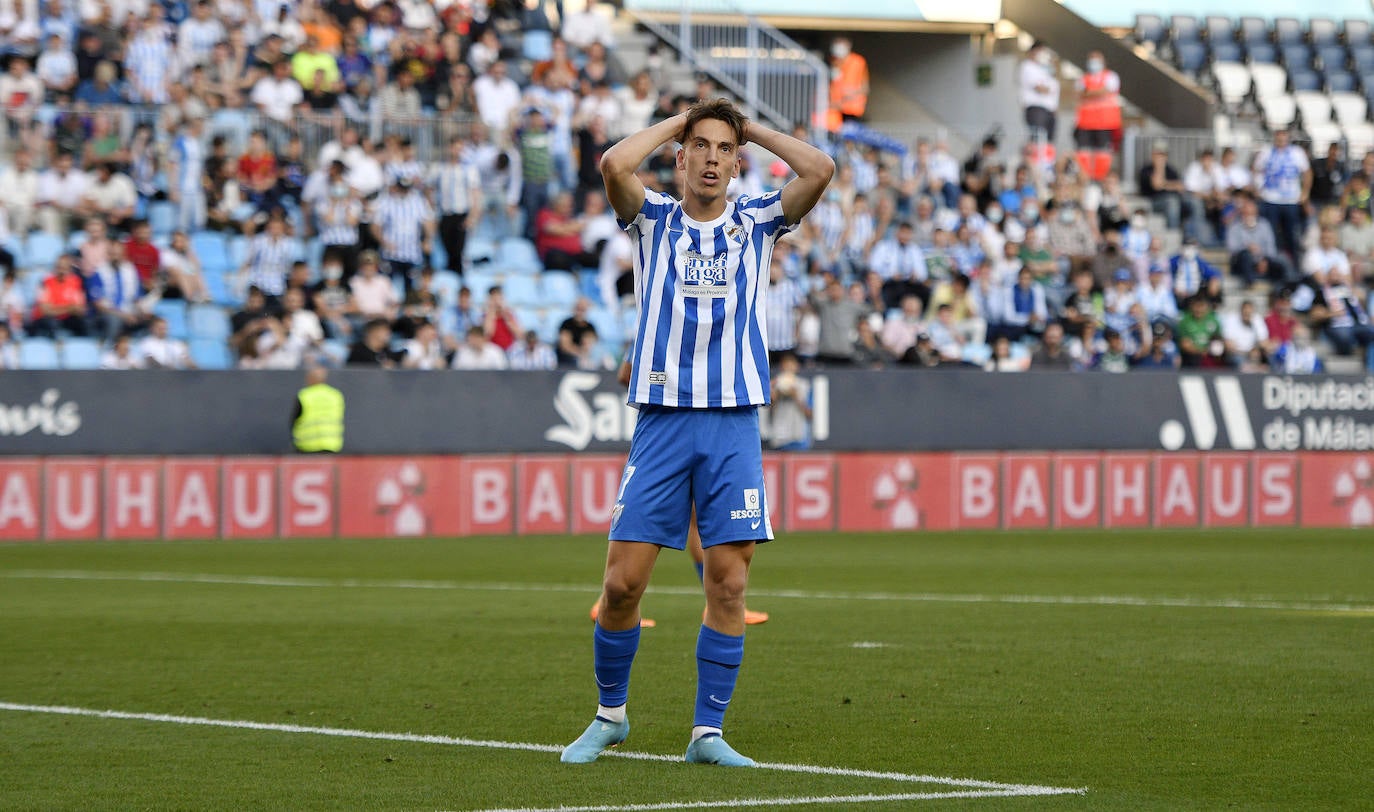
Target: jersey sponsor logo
point(752, 508)
point(704, 275)
point(658, 378)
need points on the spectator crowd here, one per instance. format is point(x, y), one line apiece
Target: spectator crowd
point(350, 181)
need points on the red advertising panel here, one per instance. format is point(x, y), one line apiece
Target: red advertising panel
point(542, 488)
point(810, 500)
point(1274, 490)
point(190, 498)
point(19, 499)
point(1337, 490)
point(1225, 490)
point(977, 491)
point(72, 490)
point(250, 498)
point(1077, 490)
point(1025, 491)
point(595, 485)
point(486, 495)
point(133, 498)
point(772, 488)
point(1177, 490)
point(381, 497)
point(308, 497)
point(1126, 490)
point(894, 492)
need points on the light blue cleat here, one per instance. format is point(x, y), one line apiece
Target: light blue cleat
point(599, 735)
point(712, 749)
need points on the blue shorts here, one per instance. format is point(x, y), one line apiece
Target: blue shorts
point(710, 458)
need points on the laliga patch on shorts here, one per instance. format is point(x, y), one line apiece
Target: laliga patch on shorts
point(704, 275)
point(658, 378)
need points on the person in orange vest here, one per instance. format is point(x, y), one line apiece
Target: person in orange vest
point(1099, 116)
point(848, 84)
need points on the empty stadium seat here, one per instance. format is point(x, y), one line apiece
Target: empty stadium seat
point(560, 289)
point(1253, 30)
point(336, 351)
point(1315, 107)
point(1287, 30)
point(478, 248)
point(1227, 52)
point(1149, 28)
point(1218, 28)
point(1355, 32)
point(1184, 28)
point(1190, 57)
point(537, 45)
point(1304, 81)
point(1349, 107)
point(42, 249)
point(1362, 57)
point(607, 324)
point(38, 353)
point(211, 248)
point(523, 290)
point(1233, 82)
point(1359, 138)
point(1332, 55)
point(1279, 111)
point(1261, 53)
point(30, 282)
point(208, 321)
point(1296, 55)
point(517, 255)
point(1322, 31)
point(174, 311)
point(162, 216)
point(210, 354)
point(1339, 80)
point(1323, 135)
point(1269, 81)
point(81, 353)
point(445, 286)
point(479, 282)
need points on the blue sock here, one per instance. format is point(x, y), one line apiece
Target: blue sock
point(718, 660)
point(701, 567)
point(612, 655)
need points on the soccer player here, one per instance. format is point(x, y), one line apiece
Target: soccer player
point(699, 372)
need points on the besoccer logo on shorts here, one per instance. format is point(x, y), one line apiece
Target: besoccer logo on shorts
point(752, 507)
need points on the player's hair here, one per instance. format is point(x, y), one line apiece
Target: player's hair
point(720, 110)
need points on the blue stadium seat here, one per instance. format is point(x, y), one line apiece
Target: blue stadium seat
point(208, 321)
point(237, 250)
point(1190, 56)
point(445, 286)
point(162, 216)
point(38, 353)
point(523, 291)
point(1362, 57)
point(42, 249)
point(1296, 55)
point(1262, 53)
point(1149, 28)
point(517, 255)
point(1253, 30)
point(1227, 51)
point(560, 289)
point(1340, 82)
point(1331, 55)
point(234, 125)
point(211, 354)
point(174, 311)
point(1355, 32)
point(478, 248)
point(1304, 80)
point(1218, 28)
point(1184, 28)
point(30, 282)
point(438, 257)
point(589, 284)
point(607, 325)
point(1287, 30)
point(537, 45)
point(337, 351)
point(81, 353)
point(479, 282)
point(212, 251)
point(1322, 31)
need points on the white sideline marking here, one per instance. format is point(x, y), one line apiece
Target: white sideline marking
point(919, 597)
point(978, 788)
point(736, 803)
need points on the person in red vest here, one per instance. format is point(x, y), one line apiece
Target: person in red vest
point(1099, 116)
point(848, 84)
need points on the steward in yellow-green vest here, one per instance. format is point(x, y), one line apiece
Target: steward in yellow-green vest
point(319, 424)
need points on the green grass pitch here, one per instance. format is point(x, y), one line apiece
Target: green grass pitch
point(1155, 670)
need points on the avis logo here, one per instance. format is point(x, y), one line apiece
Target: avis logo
point(1202, 419)
point(894, 493)
point(1354, 490)
point(397, 497)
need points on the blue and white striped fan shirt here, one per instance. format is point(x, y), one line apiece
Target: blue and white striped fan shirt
point(702, 339)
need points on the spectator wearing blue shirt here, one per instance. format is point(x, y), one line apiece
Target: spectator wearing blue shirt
point(1192, 274)
point(102, 89)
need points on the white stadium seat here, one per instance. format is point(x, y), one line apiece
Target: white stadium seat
point(1279, 111)
point(1359, 138)
point(1350, 108)
point(1233, 82)
point(1270, 80)
point(1323, 135)
point(1315, 107)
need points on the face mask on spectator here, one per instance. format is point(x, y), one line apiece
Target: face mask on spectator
point(994, 215)
point(1138, 223)
point(332, 271)
point(1043, 57)
point(1066, 215)
point(839, 50)
point(1190, 252)
point(1029, 212)
point(339, 190)
point(1095, 65)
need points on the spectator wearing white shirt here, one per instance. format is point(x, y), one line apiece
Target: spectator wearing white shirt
point(1039, 93)
point(1326, 256)
point(148, 61)
point(1235, 176)
point(13, 307)
point(277, 96)
point(56, 66)
point(425, 350)
point(1156, 295)
point(61, 196)
point(374, 297)
point(638, 100)
point(20, 182)
point(121, 355)
point(902, 265)
point(21, 92)
point(1246, 336)
point(303, 329)
point(158, 351)
point(531, 354)
point(198, 34)
point(497, 97)
point(1284, 180)
point(111, 195)
point(581, 28)
point(477, 352)
point(1206, 180)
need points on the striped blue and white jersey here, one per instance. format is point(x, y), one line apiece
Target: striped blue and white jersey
point(702, 339)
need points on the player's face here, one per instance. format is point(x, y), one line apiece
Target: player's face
point(709, 158)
